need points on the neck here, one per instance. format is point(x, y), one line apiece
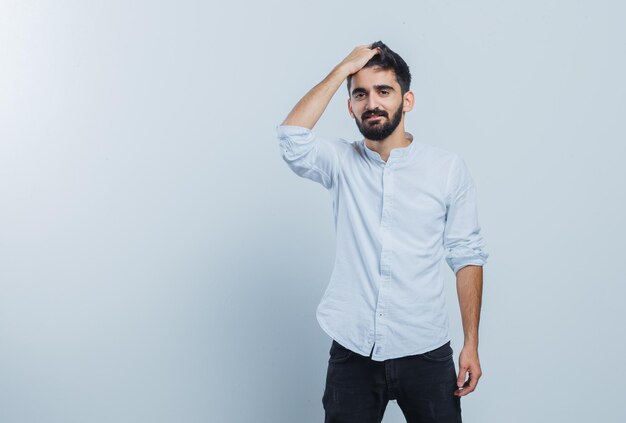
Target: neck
point(397, 139)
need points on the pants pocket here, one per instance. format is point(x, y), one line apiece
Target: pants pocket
point(338, 353)
point(441, 354)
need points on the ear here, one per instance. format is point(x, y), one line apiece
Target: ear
point(408, 101)
point(350, 109)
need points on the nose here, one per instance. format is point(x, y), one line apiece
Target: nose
point(372, 103)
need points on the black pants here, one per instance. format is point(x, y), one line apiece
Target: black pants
point(359, 388)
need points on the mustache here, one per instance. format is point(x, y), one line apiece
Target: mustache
point(374, 112)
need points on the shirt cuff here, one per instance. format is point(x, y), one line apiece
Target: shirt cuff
point(294, 140)
point(292, 131)
point(466, 256)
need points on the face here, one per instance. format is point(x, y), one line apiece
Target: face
point(376, 102)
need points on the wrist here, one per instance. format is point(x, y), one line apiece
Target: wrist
point(471, 344)
point(339, 72)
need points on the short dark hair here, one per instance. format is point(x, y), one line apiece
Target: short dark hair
point(389, 59)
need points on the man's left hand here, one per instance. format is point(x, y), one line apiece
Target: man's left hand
point(469, 371)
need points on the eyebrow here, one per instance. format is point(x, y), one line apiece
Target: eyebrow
point(377, 87)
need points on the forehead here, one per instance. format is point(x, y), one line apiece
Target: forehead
point(375, 75)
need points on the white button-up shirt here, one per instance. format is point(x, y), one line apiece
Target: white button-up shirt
point(393, 222)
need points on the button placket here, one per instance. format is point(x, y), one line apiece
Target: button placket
point(385, 256)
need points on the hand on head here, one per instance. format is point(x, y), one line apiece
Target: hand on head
point(358, 58)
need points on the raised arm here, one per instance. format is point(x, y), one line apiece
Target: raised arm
point(309, 109)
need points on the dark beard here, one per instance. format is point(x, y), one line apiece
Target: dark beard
point(379, 131)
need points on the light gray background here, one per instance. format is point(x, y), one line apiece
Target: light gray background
point(160, 263)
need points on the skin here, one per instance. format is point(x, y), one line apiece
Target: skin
point(469, 288)
point(309, 109)
point(374, 88)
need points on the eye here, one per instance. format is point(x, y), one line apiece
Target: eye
point(359, 95)
point(384, 92)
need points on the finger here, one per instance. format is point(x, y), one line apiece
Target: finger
point(464, 390)
point(460, 380)
point(364, 51)
point(473, 380)
point(368, 50)
point(470, 384)
point(374, 51)
point(461, 384)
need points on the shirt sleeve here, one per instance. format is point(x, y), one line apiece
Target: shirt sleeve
point(308, 155)
point(463, 243)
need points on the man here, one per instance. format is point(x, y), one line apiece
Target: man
point(398, 206)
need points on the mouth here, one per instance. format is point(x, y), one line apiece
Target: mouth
point(374, 118)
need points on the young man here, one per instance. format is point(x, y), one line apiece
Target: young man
point(399, 205)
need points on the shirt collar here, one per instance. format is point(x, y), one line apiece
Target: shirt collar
point(396, 153)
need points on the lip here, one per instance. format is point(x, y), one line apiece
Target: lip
point(374, 118)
